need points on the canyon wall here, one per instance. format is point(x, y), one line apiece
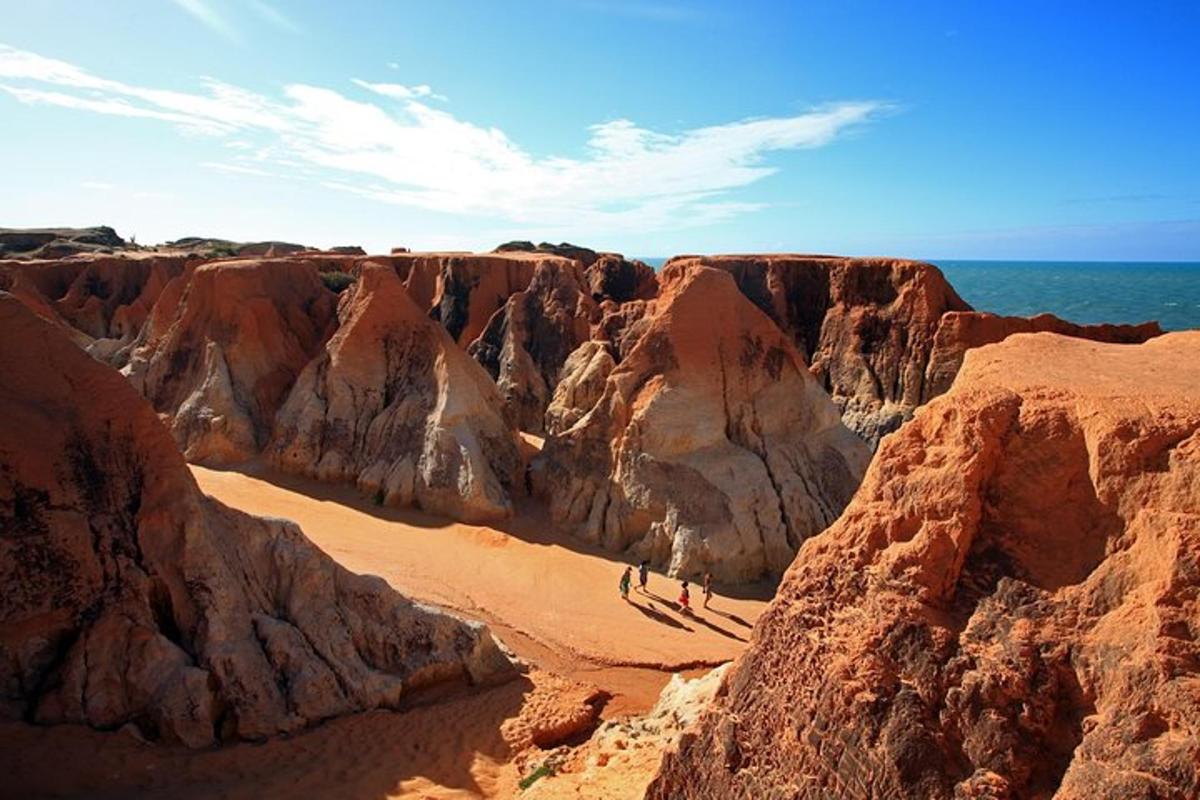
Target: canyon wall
point(1007, 609)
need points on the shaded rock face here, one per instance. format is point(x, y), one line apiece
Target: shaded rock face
point(105, 300)
point(611, 277)
point(130, 598)
point(58, 242)
point(223, 347)
point(960, 331)
point(711, 447)
point(461, 290)
point(393, 405)
point(1010, 607)
point(865, 325)
point(215, 248)
point(527, 341)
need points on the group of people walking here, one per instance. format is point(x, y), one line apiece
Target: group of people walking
point(685, 596)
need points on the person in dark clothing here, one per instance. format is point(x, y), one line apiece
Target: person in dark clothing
point(643, 574)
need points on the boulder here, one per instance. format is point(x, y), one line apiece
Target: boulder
point(223, 347)
point(611, 277)
point(393, 405)
point(711, 447)
point(1010, 607)
point(132, 599)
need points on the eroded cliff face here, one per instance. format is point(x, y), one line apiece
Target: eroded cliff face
point(865, 325)
point(131, 598)
point(1008, 608)
point(223, 347)
point(527, 341)
point(872, 329)
point(103, 300)
point(393, 405)
point(711, 447)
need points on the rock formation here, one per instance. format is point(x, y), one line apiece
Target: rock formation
point(393, 405)
point(132, 599)
point(104, 299)
point(581, 385)
point(58, 242)
point(712, 447)
point(960, 331)
point(865, 325)
point(1009, 608)
point(464, 290)
point(223, 346)
point(526, 343)
point(869, 328)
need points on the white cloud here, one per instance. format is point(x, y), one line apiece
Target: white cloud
point(99, 186)
point(209, 18)
point(399, 91)
point(629, 178)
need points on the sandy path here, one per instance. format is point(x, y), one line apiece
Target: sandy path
point(522, 578)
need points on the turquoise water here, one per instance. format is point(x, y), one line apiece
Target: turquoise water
point(1079, 291)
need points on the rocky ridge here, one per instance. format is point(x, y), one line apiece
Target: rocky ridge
point(134, 600)
point(1007, 608)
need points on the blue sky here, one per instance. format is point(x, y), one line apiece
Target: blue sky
point(936, 130)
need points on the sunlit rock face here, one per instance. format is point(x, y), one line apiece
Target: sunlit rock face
point(132, 599)
point(711, 447)
point(394, 406)
point(223, 346)
point(1008, 608)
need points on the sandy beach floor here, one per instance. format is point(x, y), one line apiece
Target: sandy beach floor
point(551, 599)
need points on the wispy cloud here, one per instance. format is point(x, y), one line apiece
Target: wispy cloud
point(275, 17)
point(399, 91)
point(629, 178)
point(211, 19)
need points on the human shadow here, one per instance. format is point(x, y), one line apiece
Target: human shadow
point(658, 616)
point(731, 617)
point(695, 617)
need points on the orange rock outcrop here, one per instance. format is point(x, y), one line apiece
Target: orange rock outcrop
point(393, 405)
point(1008, 609)
point(131, 599)
point(223, 347)
point(711, 448)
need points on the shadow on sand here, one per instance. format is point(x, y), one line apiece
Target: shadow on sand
point(658, 616)
point(693, 616)
point(364, 756)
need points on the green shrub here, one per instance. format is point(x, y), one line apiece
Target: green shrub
point(336, 281)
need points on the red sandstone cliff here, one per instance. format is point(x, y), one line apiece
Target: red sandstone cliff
point(711, 447)
point(1009, 608)
point(131, 598)
point(393, 405)
point(103, 299)
point(223, 346)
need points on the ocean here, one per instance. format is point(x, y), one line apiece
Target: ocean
point(1079, 291)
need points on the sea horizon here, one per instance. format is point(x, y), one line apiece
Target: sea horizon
point(1086, 292)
